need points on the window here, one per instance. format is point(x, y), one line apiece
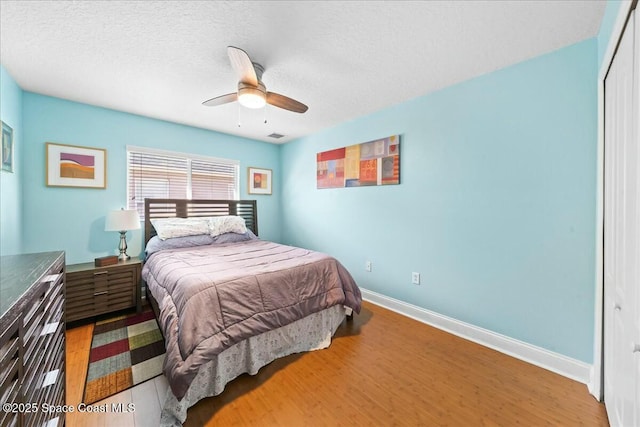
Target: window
point(169, 175)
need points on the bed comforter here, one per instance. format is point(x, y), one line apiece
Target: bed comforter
point(212, 297)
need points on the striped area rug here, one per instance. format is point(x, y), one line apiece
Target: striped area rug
point(125, 351)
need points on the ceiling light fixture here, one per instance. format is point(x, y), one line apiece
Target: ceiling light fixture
point(252, 96)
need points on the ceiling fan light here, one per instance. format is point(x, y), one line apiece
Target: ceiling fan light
point(252, 97)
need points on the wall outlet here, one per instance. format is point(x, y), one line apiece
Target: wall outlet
point(415, 278)
point(367, 266)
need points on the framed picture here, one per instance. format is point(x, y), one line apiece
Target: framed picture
point(259, 181)
point(73, 166)
point(7, 148)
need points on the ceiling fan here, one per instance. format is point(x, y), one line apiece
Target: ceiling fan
point(252, 93)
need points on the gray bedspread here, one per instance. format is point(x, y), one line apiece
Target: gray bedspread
point(211, 297)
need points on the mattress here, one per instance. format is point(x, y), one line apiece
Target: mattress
point(213, 297)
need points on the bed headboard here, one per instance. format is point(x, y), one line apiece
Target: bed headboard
point(182, 208)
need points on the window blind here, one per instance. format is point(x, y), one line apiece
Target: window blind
point(168, 175)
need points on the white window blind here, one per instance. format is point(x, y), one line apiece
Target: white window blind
point(169, 175)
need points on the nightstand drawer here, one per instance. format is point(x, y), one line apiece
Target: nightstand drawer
point(92, 291)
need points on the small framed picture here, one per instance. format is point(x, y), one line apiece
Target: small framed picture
point(7, 148)
point(74, 166)
point(259, 181)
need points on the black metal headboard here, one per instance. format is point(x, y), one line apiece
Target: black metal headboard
point(182, 208)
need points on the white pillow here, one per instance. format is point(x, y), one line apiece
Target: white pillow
point(226, 224)
point(168, 228)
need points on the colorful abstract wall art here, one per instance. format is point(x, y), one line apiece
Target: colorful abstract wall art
point(77, 166)
point(73, 166)
point(259, 181)
point(370, 163)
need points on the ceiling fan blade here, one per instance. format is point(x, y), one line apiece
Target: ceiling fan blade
point(285, 102)
point(219, 100)
point(242, 65)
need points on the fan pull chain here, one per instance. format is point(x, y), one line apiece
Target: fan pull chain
point(239, 120)
point(265, 114)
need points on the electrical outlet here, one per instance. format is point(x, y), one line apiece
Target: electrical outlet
point(367, 266)
point(415, 278)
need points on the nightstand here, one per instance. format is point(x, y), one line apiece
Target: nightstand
point(92, 290)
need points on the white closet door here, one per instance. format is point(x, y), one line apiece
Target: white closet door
point(622, 235)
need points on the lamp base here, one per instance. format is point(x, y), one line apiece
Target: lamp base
point(123, 247)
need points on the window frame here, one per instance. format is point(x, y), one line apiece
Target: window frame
point(189, 157)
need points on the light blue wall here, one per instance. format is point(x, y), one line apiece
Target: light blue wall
point(11, 183)
point(606, 27)
point(72, 219)
point(495, 208)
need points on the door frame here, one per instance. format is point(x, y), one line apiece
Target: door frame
point(596, 381)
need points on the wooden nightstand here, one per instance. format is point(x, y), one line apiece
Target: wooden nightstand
point(92, 290)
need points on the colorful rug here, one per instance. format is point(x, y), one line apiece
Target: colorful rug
point(125, 351)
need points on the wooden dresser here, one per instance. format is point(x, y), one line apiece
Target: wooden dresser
point(32, 341)
point(92, 290)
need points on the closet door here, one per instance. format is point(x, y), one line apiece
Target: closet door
point(622, 234)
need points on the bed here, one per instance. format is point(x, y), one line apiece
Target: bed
point(261, 300)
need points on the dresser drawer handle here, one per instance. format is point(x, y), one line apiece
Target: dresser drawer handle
point(100, 293)
point(50, 378)
point(49, 328)
point(100, 272)
point(51, 279)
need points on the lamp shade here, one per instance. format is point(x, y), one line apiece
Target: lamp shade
point(122, 220)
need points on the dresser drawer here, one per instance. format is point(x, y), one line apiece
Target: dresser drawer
point(10, 370)
point(48, 374)
point(32, 339)
point(42, 320)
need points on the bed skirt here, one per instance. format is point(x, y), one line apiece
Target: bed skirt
point(313, 332)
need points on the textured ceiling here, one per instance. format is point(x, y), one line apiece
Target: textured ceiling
point(161, 59)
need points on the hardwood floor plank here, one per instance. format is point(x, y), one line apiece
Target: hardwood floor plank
point(386, 369)
point(77, 355)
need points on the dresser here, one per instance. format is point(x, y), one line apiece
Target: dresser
point(32, 341)
point(92, 290)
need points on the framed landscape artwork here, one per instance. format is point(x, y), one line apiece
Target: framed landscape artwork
point(74, 166)
point(7, 148)
point(259, 181)
point(367, 164)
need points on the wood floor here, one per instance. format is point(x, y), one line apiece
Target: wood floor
point(381, 369)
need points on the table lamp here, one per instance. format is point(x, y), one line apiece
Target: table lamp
point(122, 221)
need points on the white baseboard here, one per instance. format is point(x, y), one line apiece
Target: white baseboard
point(555, 362)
